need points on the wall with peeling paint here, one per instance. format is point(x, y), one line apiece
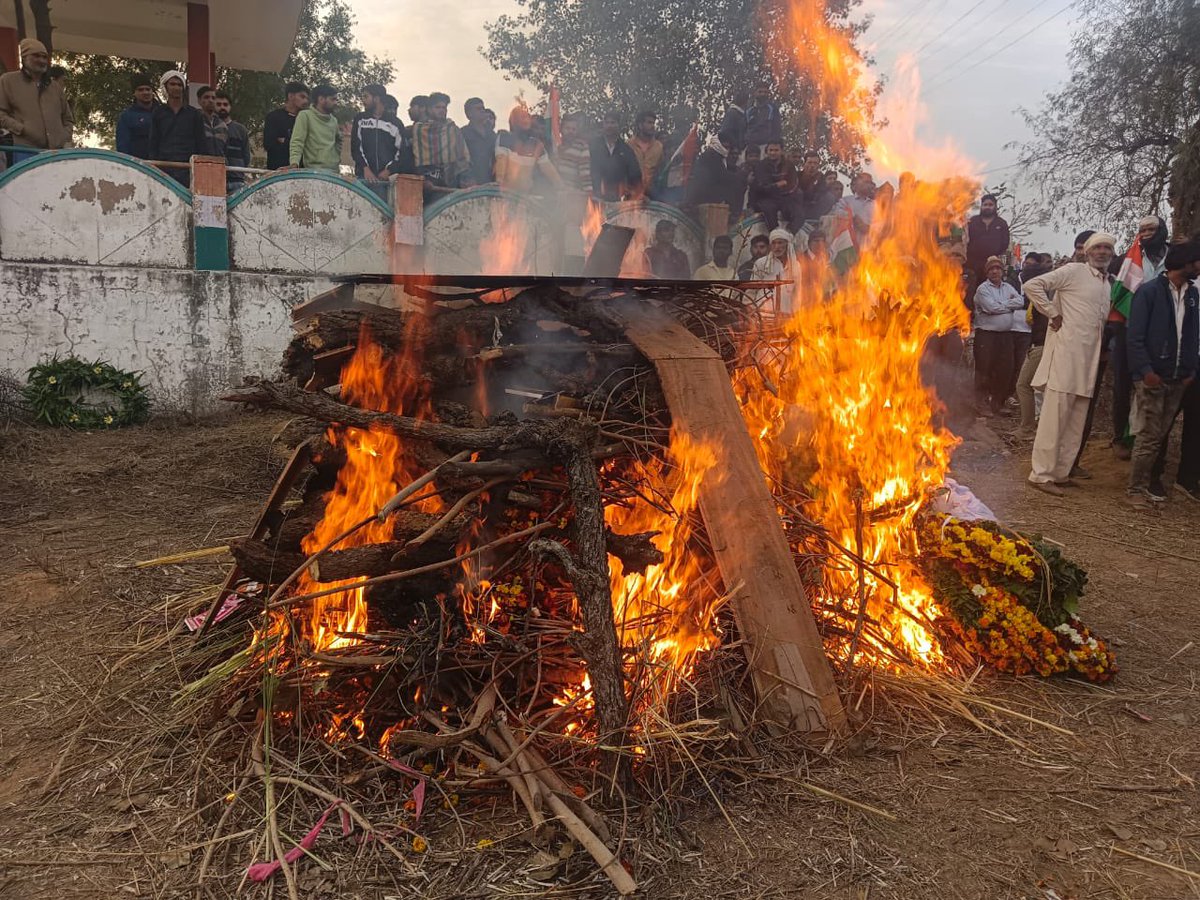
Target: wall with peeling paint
point(309, 222)
point(78, 206)
point(194, 334)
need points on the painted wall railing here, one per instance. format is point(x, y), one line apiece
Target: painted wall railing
point(98, 207)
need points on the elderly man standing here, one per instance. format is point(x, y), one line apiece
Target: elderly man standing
point(1076, 300)
point(32, 105)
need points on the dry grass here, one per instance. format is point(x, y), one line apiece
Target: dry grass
point(985, 787)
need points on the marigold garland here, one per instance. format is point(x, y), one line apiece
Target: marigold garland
point(1012, 603)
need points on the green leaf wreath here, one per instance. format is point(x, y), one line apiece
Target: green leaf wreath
point(58, 394)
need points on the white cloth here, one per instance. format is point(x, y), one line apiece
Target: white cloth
point(768, 268)
point(1059, 436)
point(1082, 296)
point(958, 500)
point(860, 207)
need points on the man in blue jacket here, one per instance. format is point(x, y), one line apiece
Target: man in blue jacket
point(133, 126)
point(1164, 354)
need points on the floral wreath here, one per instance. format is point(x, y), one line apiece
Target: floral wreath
point(55, 394)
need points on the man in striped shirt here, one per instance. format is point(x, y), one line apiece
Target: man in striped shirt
point(439, 151)
point(573, 159)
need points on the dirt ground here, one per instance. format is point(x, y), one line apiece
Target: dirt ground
point(1104, 804)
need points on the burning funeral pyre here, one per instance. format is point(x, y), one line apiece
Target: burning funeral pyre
point(571, 542)
point(509, 561)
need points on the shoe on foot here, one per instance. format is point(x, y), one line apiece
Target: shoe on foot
point(1137, 497)
point(1068, 482)
point(1192, 492)
point(1122, 451)
point(1048, 487)
point(1081, 473)
point(1157, 492)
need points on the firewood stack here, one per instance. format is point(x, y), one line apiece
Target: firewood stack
point(521, 423)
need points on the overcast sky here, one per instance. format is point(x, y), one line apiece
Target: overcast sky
point(971, 99)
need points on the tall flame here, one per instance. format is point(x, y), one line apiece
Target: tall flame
point(376, 467)
point(658, 610)
point(852, 408)
point(505, 248)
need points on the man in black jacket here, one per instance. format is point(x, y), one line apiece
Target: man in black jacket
point(763, 122)
point(616, 172)
point(987, 235)
point(734, 122)
point(277, 126)
point(714, 177)
point(177, 130)
point(774, 189)
point(1164, 353)
point(376, 140)
point(481, 144)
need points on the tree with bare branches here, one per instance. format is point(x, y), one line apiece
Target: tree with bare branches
point(1106, 143)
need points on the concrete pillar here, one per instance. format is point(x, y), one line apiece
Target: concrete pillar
point(199, 58)
point(407, 193)
point(210, 223)
point(10, 56)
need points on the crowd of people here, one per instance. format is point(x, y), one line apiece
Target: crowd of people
point(1047, 330)
point(1050, 331)
point(742, 163)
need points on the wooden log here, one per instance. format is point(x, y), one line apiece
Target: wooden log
point(265, 563)
point(787, 659)
point(324, 408)
point(635, 551)
point(588, 570)
point(295, 465)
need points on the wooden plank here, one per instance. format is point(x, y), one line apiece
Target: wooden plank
point(300, 458)
point(787, 659)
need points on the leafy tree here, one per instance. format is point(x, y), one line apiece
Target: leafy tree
point(324, 50)
point(633, 54)
point(1104, 143)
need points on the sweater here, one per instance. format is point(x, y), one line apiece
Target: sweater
point(175, 136)
point(133, 131)
point(277, 137)
point(1152, 340)
point(36, 112)
point(316, 141)
point(995, 305)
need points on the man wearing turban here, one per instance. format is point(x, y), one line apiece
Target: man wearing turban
point(1076, 300)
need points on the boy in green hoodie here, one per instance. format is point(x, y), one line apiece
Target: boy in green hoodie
point(316, 137)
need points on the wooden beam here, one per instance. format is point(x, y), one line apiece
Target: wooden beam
point(787, 659)
point(300, 458)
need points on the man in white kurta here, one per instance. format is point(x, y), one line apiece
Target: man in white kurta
point(1076, 298)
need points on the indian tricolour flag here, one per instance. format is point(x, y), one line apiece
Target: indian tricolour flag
point(842, 244)
point(1129, 279)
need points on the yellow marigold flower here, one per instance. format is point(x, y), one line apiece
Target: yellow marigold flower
point(419, 844)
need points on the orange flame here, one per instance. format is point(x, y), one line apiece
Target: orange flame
point(593, 221)
point(852, 409)
point(505, 248)
point(376, 468)
point(663, 611)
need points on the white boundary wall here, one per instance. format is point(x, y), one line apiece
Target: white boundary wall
point(193, 334)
